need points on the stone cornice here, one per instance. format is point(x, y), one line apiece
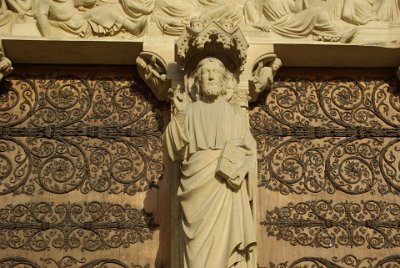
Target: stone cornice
point(40, 51)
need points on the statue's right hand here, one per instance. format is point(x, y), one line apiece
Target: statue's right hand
point(179, 101)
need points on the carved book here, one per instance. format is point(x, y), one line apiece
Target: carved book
point(232, 158)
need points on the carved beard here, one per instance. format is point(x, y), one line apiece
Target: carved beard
point(212, 89)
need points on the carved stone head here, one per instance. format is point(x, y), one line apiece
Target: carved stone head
point(212, 79)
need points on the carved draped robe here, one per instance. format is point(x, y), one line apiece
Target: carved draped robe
point(106, 18)
point(218, 223)
point(299, 24)
point(16, 11)
point(360, 12)
point(184, 10)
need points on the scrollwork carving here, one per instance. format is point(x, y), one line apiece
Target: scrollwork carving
point(328, 134)
point(325, 224)
point(78, 134)
point(350, 165)
point(348, 261)
point(89, 226)
point(333, 103)
point(66, 262)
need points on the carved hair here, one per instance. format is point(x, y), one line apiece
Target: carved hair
point(228, 81)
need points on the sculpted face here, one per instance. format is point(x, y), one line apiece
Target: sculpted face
point(211, 78)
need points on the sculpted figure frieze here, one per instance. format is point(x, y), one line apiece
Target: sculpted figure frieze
point(274, 20)
point(110, 18)
point(360, 12)
point(295, 19)
point(17, 11)
point(173, 16)
point(90, 17)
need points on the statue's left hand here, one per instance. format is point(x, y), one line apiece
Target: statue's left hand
point(238, 177)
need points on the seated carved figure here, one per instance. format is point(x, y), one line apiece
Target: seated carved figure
point(294, 19)
point(17, 11)
point(106, 18)
point(61, 14)
point(360, 12)
point(173, 17)
point(111, 17)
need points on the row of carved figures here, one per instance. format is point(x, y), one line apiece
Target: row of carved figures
point(289, 18)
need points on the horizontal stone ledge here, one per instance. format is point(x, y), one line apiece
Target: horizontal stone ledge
point(336, 55)
point(121, 52)
point(72, 51)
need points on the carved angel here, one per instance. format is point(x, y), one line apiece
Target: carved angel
point(263, 76)
point(152, 70)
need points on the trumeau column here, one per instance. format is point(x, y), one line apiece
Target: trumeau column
point(250, 69)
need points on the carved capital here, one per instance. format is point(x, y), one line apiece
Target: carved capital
point(217, 39)
point(264, 70)
point(152, 69)
point(5, 66)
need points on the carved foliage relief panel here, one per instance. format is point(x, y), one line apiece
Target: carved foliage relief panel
point(328, 144)
point(80, 163)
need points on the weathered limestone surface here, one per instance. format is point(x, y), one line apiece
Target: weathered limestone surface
point(348, 21)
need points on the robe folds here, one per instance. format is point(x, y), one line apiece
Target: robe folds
point(360, 12)
point(182, 11)
point(299, 24)
point(218, 223)
point(108, 18)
